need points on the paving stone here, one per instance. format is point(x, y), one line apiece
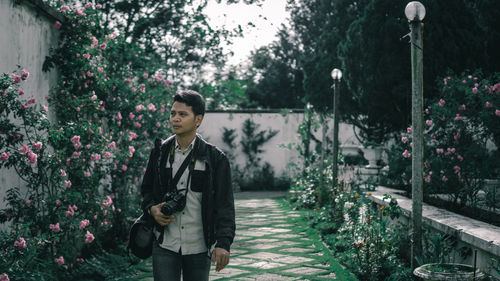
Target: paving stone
point(265, 265)
point(306, 270)
point(226, 273)
point(240, 261)
point(296, 250)
point(270, 240)
point(293, 259)
point(287, 235)
point(262, 246)
point(264, 256)
point(268, 230)
point(267, 277)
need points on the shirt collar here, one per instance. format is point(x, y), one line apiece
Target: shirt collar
point(190, 146)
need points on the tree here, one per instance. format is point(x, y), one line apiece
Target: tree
point(277, 74)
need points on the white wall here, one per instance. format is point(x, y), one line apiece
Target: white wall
point(26, 35)
point(287, 125)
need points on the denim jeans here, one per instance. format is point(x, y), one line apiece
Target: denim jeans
point(167, 265)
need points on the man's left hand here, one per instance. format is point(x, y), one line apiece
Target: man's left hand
point(221, 258)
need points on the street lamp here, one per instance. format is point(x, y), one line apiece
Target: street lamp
point(415, 12)
point(336, 76)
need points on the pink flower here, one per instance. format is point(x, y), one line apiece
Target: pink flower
point(59, 260)
point(103, 46)
point(89, 237)
point(497, 112)
point(87, 56)
point(151, 107)
point(451, 149)
point(55, 227)
point(17, 78)
point(23, 149)
point(124, 167)
point(458, 117)
point(139, 108)
point(406, 154)
point(45, 108)
point(80, 260)
point(70, 212)
point(158, 124)
point(145, 75)
point(474, 90)
point(84, 223)
point(488, 104)
point(68, 183)
point(439, 150)
point(32, 157)
point(107, 202)
point(24, 74)
point(457, 169)
point(441, 102)
point(21, 244)
point(95, 157)
point(118, 116)
point(409, 130)
point(4, 277)
point(428, 122)
point(137, 125)
point(77, 154)
point(77, 145)
point(86, 174)
point(462, 107)
point(444, 178)
point(37, 145)
point(20, 91)
point(132, 136)
point(5, 156)
point(404, 139)
point(427, 178)
point(131, 116)
point(58, 202)
point(131, 150)
point(64, 8)
point(460, 158)
point(57, 25)
point(107, 155)
point(75, 139)
point(112, 145)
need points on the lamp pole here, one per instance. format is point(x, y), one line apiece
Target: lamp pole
point(336, 76)
point(415, 12)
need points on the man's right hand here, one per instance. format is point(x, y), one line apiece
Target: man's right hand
point(159, 217)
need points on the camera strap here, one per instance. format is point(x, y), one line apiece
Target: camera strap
point(190, 159)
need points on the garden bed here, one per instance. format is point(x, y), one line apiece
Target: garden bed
point(477, 235)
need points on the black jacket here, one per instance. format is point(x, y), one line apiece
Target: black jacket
point(217, 194)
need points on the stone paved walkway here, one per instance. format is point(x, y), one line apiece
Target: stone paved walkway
point(271, 245)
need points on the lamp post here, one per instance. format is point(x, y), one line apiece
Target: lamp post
point(336, 76)
point(415, 12)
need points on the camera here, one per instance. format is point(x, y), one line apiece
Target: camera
point(175, 202)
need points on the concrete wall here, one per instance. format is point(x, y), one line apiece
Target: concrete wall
point(287, 125)
point(26, 35)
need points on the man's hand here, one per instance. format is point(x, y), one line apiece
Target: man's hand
point(159, 217)
point(221, 257)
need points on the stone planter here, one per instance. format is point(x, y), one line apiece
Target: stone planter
point(447, 272)
point(373, 154)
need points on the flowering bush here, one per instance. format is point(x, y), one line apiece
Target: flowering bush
point(462, 138)
point(81, 171)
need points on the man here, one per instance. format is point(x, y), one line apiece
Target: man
point(198, 173)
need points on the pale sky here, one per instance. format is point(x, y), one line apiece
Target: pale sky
point(272, 12)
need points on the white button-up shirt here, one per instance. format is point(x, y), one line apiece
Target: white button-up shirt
point(186, 232)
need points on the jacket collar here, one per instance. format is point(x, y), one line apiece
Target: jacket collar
point(201, 152)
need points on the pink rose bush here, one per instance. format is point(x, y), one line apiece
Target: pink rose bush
point(81, 171)
point(461, 125)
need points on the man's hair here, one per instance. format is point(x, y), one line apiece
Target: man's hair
point(193, 99)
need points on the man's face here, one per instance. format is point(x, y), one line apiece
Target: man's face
point(183, 120)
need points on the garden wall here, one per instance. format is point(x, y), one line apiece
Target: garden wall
point(26, 36)
point(287, 125)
